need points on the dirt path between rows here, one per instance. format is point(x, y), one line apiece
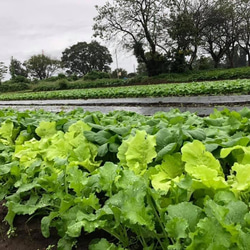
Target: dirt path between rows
point(202, 105)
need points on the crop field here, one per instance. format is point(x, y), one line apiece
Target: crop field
point(158, 90)
point(168, 181)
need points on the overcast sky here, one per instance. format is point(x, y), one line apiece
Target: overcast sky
point(28, 27)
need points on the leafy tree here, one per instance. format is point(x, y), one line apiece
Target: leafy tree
point(243, 10)
point(41, 66)
point(119, 73)
point(219, 33)
point(137, 25)
point(94, 75)
point(185, 27)
point(240, 57)
point(141, 69)
point(203, 63)
point(3, 71)
point(180, 30)
point(232, 28)
point(178, 64)
point(82, 58)
point(16, 68)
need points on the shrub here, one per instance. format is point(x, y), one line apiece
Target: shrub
point(45, 87)
point(131, 75)
point(20, 79)
point(13, 87)
point(35, 81)
point(63, 83)
point(73, 77)
point(61, 76)
point(94, 75)
point(51, 79)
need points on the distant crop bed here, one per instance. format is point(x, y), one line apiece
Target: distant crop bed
point(222, 87)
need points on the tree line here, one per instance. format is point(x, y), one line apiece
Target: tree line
point(173, 35)
point(79, 59)
point(164, 35)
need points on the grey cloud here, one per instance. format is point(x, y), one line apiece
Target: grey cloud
point(29, 26)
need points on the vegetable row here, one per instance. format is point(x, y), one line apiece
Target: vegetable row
point(160, 90)
point(169, 181)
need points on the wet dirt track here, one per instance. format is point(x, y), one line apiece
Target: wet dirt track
point(202, 105)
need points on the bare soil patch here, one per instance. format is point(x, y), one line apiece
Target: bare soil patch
point(28, 234)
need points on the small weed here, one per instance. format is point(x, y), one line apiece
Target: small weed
point(11, 232)
point(50, 247)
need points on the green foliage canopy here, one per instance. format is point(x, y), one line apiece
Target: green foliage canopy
point(119, 73)
point(170, 34)
point(83, 57)
point(42, 66)
point(3, 70)
point(138, 26)
point(168, 181)
point(16, 68)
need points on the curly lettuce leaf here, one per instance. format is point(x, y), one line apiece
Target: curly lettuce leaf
point(240, 181)
point(6, 132)
point(195, 154)
point(137, 151)
point(46, 129)
point(241, 154)
point(202, 166)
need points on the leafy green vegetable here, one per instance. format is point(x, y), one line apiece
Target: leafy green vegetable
point(137, 151)
point(241, 180)
point(103, 244)
point(170, 181)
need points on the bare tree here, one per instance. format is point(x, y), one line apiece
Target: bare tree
point(41, 66)
point(186, 25)
point(243, 11)
point(3, 71)
point(219, 36)
point(138, 26)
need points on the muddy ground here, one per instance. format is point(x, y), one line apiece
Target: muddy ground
point(28, 235)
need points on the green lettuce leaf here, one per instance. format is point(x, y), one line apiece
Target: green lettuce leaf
point(6, 132)
point(202, 166)
point(240, 181)
point(137, 151)
point(46, 129)
point(177, 228)
point(99, 244)
point(161, 181)
point(109, 174)
point(195, 154)
point(210, 235)
point(187, 211)
point(241, 154)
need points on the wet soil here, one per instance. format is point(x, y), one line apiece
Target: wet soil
point(202, 105)
point(28, 235)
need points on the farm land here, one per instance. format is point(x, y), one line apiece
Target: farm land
point(121, 180)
